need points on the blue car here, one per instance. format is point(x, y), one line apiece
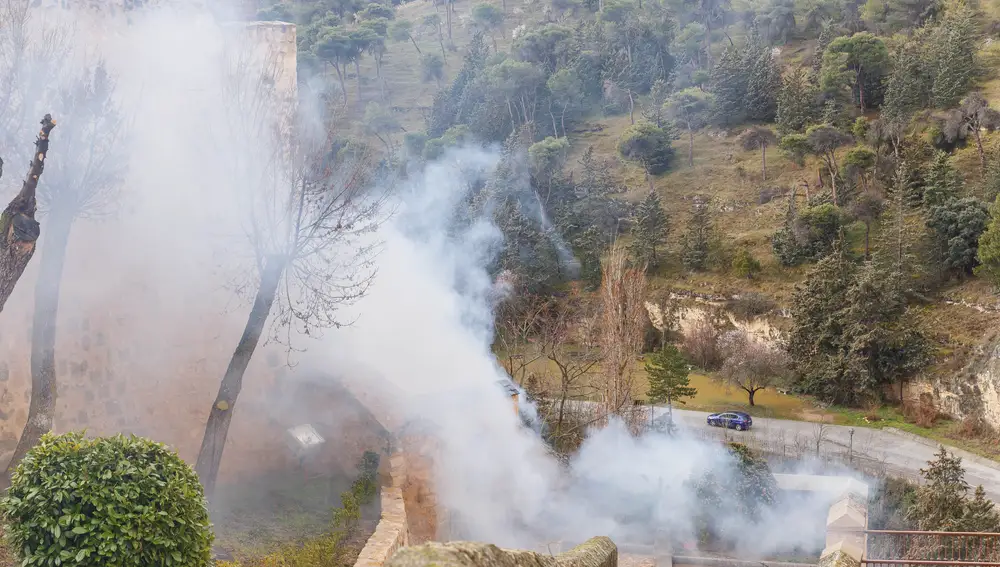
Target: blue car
point(738, 420)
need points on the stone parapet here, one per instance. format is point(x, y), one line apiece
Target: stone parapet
point(392, 531)
point(595, 552)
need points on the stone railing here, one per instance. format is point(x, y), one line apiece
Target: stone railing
point(595, 552)
point(392, 531)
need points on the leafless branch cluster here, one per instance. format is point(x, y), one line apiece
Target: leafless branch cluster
point(751, 364)
point(701, 343)
point(623, 294)
point(313, 206)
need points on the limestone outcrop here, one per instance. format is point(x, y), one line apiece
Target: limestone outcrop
point(595, 552)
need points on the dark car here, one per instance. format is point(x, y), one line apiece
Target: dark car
point(738, 420)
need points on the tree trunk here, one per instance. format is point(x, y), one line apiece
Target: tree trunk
point(631, 107)
point(415, 46)
point(861, 90)
point(19, 230)
point(357, 72)
point(868, 230)
point(340, 77)
point(979, 146)
point(447, 13)
point(41, 410)
point(690, 146)
point(217, 428)
point(562, 120)
point(751, 392)
point(555, 129)
point(763, 162)
point(493, 36)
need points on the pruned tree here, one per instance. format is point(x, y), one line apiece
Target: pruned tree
point(750, 364)
point(490, 19)
point(758, 138)
point(623, 294)
point(311, 213)
point(432, 68)
point(575, 363)
point(19, 230)
point(972, 116)
point(402, 30)
point(690, 107)
point(82, 182)
point(668, 379)
point(433, 21)
point(824, 141)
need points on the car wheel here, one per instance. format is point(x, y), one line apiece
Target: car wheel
point(739, 427)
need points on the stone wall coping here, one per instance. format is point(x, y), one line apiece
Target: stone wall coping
point(392, 531)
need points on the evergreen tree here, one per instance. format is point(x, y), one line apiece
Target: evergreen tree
point(728, 83)
point(940, 502)
point(908, 87)
point(649, 229)
point(941, 182)
point(589, 245)
point(988, 252)
point(814, 342)
point(799, 104)
point(953, 49)
point(745, 265)
point(958, 224)
point(894, 253)
point(697, 241)
point(979, 514)
point(668, 378)
point(763, 81)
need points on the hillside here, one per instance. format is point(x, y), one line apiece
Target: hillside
point(949, 307)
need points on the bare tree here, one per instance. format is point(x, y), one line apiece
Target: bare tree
point(972, 116)
point(83, 182)
point(623, 294)
point(750, 364)
point(311, 217)
point(518, 319)
point(701, 343)
point(573, 362)
point(19, 230)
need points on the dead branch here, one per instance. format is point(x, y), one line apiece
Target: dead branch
point(19, 230)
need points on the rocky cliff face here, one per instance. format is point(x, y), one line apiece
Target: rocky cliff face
point(975, 390)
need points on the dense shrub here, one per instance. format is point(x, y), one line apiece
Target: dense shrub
point(115, 501)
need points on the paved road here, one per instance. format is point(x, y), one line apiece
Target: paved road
point(898, 453)
point(901, 453)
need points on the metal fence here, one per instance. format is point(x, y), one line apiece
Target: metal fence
point(885, 548)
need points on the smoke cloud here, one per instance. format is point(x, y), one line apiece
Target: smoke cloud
point(421, 336)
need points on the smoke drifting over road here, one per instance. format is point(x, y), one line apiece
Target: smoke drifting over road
point(423, 336)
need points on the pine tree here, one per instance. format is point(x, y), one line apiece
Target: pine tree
point(908, 87)
point(894, 253)
point(697, 241)
point(815, 340)
point(979, 514)
point(940, 502)
point(953, 49)
point(649, 229)
point(988, 253)
point(763, 80)
point(799, 103)
point(590, 244)
point(729, 85)
point(668, 379)
point(745, 265)
point(941, 182)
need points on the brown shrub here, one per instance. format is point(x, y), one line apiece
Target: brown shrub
point(701, 344)
point(922, 411)
point(975, 427)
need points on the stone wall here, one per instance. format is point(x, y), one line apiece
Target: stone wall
point(392, 531)
point(595, 552)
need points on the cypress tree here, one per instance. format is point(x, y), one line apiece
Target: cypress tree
point(696, 244)
point(763, 80)
point(953, 52)
point(729, 85)
point(649, 229)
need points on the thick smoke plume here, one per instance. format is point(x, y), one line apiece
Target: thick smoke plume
point(421, 336)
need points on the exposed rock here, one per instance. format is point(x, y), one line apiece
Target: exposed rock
point(595, 552)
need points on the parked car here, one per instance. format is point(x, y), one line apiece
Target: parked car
point(738, 420)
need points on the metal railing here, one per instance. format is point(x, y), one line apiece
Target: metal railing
point(890, 548)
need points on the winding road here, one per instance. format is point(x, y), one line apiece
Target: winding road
point(900, 453)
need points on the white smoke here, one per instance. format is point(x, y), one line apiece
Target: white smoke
point(422, 338)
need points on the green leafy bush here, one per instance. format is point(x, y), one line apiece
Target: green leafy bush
point(114, 501)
